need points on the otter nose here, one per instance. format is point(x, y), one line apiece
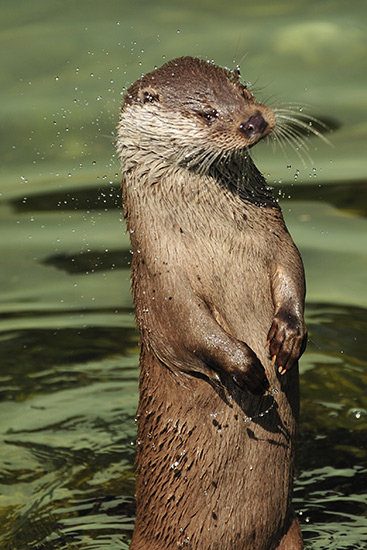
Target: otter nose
point(256, 124)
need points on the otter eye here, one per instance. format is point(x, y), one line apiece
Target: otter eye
point(209, 116)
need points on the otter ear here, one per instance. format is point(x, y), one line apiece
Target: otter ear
point(148, 95)
point(236, 74)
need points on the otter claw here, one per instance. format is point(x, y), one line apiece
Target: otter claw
point(288, 337)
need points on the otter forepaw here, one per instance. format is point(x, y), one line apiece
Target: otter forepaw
point(287, 339)
point(252, 377)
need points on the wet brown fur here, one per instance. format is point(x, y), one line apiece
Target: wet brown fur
point(218, 286)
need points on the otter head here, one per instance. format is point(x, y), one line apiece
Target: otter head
point(189, 106)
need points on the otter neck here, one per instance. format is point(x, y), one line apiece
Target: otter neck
point(240, 176)
point(234, 172)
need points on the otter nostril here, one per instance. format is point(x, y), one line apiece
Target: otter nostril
point(256, 124)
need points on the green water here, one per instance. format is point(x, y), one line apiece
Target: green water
point(68, 348)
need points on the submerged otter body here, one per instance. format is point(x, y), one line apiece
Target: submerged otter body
point(218, 286)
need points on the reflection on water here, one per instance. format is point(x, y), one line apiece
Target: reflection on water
point(67, 409)
point(68, 346)
point(330, 489)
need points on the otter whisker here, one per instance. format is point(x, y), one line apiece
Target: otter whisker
point(285, 115)
point(293, 104)
point(296, 143)
point(300, 114)
point(290, 130)
point(275, 140)
point(296, 148)
point(292, 123)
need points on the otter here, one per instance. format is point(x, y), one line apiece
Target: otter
point(219, 291)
